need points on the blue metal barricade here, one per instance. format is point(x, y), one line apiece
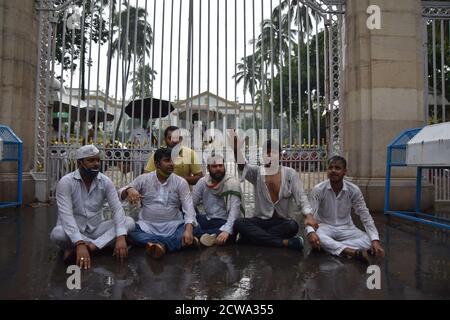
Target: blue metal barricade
point(11, 150)
point(396, 157)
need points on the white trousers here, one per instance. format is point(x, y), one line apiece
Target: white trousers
point(103, 235)
point(334, 239)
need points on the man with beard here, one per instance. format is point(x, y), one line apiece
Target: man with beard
point(186, 165)
point(332, 202)
point(161, 226)
point(222, 200)
point(81, 229)
point(275, 187)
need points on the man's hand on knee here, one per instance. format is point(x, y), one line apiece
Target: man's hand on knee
point(133, 196)
point(121, 249)
point(376, 249)
point(188, 236)
point(314, 240)
point(83, 256)
point(222, 238)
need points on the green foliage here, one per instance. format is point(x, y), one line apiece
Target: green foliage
point(281, 52)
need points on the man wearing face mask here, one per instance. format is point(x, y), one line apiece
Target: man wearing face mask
point(81, 228)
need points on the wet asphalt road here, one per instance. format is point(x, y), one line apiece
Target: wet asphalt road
point(416, 266)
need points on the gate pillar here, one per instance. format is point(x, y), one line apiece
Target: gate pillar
point(383, 95)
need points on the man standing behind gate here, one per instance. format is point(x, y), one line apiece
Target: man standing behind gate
point(186, 165)
point(80, 195)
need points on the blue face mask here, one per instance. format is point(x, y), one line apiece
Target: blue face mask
point(91, 173)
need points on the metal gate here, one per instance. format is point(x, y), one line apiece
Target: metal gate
point(436, 36)
point(117, 73)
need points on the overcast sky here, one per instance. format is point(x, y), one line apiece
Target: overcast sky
point(166, 83)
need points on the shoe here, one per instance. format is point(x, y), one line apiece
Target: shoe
point(296, 243)
point(208, 240)
point(155, 250)
point(361, 255)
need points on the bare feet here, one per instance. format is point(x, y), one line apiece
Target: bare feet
point(155, 250)
point(360, 255)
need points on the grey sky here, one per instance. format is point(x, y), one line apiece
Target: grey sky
point(224, 66)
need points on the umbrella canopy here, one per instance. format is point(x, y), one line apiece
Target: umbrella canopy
point(151, 108)
point(70, 105)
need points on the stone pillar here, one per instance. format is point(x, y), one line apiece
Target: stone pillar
point(18, 61)
point(383, 95)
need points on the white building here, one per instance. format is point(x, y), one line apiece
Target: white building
point(208, 107)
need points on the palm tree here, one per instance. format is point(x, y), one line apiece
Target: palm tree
point(264, 41)
point(92, 16)
point(248, 75)
point(97, 15)
point(133, 24)
point(297, 14)
point(142, 80)
point(276, 47)
point(273, 32)
point(112, 4)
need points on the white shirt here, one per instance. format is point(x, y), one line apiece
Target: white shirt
point(336, 210)
point(80, 211)
point(160, 213)
point(291, 189)
point(215, 207)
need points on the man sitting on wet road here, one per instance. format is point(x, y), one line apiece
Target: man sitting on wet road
point(81, 229)
point(221, 196)
point(332, 202)
point(161, 226)
point(275, 187)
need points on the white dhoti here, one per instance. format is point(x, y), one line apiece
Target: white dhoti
point(102, 236)
point(334, 239)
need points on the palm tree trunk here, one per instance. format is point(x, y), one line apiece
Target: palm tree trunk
point(108, 68)
point(124, 90)
point(82, 70)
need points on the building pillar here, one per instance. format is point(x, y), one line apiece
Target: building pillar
point(383, 95)
point(18, 62)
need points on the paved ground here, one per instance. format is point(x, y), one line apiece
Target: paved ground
point(417, 266)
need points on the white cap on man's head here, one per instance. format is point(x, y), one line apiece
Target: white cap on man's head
point(87, 151)
point(215, 158)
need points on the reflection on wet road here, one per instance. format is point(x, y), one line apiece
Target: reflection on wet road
point(417, 266)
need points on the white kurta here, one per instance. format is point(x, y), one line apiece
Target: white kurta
point(214, 205)
point(160, 214)
point(80, 212)
point(291, 189)
point(333, 213)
